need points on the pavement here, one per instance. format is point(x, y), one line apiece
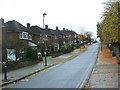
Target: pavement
point(106, 73)
point(20, 74)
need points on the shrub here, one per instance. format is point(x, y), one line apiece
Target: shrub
point(66, 48)
point(30, 54)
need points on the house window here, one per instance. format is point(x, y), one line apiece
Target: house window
point(11, 55)
point(30, 37)
point(40, 36)
point(69, 35)
point(75, 36)
point(60, 36)
point(46, 36)
point(72, 42)
point(55, 37)
point(23, 35)
point(63, 42)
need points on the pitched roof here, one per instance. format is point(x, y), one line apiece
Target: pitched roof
point(14, 26)
point(64, 32)
point(53, 32)
point(56, 32)
point(46, 31)
point(35, 30)
point(72, 32)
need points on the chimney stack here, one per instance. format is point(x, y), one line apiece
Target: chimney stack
point(46, 26)
point(1, 22)
point(63, 29)
point(28, 25)
point(56, 27)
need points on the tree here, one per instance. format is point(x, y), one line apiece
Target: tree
point(109, 26)
point(89, 36)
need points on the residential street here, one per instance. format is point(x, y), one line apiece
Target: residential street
point(60, 44)
point(71, 74)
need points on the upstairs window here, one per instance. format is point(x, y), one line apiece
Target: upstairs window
point(60, 36)
point(23, 35)
point(66, 35)
point(69, 35)
point(40, 36)
point(55, 37)
point(30, 37)
point(75, 35)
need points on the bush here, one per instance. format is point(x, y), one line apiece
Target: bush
point(66, 48)
point(30, 54)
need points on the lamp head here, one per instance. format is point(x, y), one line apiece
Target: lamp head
point(44, 14)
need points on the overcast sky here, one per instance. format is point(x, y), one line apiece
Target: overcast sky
point(71, 14)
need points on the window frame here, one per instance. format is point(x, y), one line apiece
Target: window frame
point(23, 35)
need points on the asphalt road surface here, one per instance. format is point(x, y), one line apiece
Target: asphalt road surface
point(71, 74)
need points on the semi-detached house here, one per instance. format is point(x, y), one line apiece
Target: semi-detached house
point(16, 37)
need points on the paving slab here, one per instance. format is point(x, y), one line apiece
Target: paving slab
point(106, 72)
point(104, 76)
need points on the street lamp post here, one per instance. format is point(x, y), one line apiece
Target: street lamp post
point(45, 52)
point(45, 38)
point(43, 19)
point(45, 57)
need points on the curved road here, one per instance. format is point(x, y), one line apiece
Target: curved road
point(71, 74)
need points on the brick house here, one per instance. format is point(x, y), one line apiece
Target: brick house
point(61, 37)
point(37, 35)
point(72, 37)
point(64, 39)
point(68, 36)
point(15, 38)
point(56, 39)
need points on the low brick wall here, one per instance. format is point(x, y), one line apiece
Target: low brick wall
point(19, 64)
point(56, 54)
